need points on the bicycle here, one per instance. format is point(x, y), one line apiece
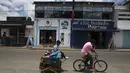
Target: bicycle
point(83, 65)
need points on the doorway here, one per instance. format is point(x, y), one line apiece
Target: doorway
point(45, 34)
point(99, 37)
point(17, 36)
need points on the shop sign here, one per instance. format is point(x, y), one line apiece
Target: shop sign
point(16, 18)
point(64, 24)
point(102, 25)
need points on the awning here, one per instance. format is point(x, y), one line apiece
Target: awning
point(10, 24)
point(47, 27)
point(29, 26)
point(108, 30)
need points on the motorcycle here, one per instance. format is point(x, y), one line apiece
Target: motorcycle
point(46, 64)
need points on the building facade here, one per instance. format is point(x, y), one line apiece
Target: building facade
point(17, 30)
point(93, 20)
point(122, 17)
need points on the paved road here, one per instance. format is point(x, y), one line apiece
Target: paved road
point(27, 61)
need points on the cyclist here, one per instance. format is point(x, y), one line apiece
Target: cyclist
point(86, 55)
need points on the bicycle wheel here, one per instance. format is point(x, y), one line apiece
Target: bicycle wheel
point(100, 66)
point(79, 65)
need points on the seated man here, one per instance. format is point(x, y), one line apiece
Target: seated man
point(56, 49)
point(57, 55)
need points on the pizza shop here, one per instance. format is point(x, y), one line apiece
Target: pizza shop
point(85, 30)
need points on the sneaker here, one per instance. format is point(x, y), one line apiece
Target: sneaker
point(92, 69)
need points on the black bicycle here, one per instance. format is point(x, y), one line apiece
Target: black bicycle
point(99, 65)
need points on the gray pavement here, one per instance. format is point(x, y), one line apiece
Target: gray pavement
point(27, 61)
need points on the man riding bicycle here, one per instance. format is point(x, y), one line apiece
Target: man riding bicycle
point(86, 55)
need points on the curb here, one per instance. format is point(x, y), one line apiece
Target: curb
point(117, 50)
point(66, 49)
point(60, 49)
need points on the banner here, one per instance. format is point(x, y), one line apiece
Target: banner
point(94, 25)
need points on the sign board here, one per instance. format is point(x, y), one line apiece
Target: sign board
point(65, 24)
point(16, 18)
point(93, 25)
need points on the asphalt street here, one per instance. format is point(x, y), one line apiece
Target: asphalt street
point(27, 61)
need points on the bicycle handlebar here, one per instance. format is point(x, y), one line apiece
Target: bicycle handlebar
point(65, 59)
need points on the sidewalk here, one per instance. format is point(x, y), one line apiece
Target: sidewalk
point(64, 49)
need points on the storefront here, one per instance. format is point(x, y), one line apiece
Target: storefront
point(86, 30)
point(57, 29)
point(122, 15)
point(16, 29)
point(51, 19)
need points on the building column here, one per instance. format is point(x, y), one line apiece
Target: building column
point(36, 33)
point(58, 29)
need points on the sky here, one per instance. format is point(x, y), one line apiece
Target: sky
point(26, 8)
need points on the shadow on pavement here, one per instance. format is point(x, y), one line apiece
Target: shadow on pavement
point(64, 70)
point(88, 71)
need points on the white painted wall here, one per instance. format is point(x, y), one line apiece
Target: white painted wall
point(42, 22)
point(66, 32)
point(5, 30)
point(35, 32)
point(118, 39)
point(123, 24)
point(55, 22)
point(120, 7)
point(29, 32)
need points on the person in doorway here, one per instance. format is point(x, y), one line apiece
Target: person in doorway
point(50, 41)
point(4, 38)
point(86, 55)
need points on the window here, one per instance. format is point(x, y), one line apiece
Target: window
point(106, 15)
point(92, 15)
point(91, 12)
point(94, 8)
point(39, 15)
point(123, 18)
point(124, 14)
point(78, 14)
point(67, 14)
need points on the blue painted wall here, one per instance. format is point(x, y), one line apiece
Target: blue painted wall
point(78, 38)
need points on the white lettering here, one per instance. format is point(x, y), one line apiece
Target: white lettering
point(96, 27)
point(98, 23)
point(75, 22)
